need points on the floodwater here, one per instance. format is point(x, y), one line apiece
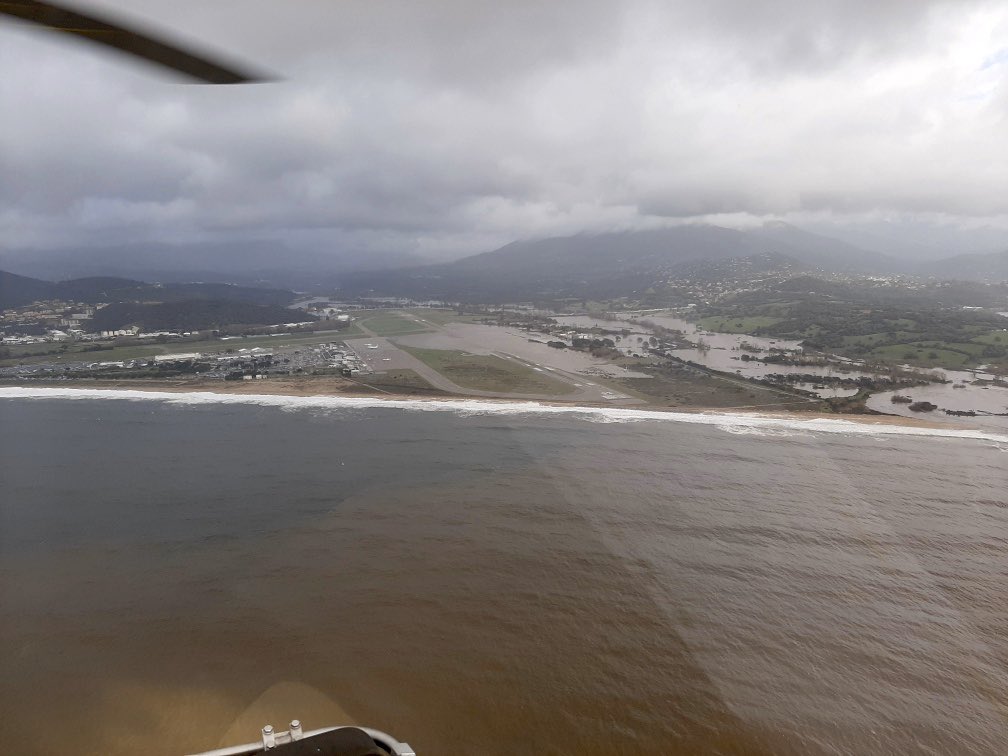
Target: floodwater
point(987, 401)
point(496, 579)
point(725, 352)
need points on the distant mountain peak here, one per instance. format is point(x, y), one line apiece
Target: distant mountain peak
point(17, 291)
point(617, 263)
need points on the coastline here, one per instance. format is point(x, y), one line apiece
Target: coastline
point(308, 388)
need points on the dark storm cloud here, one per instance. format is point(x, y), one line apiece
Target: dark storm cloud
point(447, 127)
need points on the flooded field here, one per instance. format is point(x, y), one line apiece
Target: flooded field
point(985, 400)
point(724, 350)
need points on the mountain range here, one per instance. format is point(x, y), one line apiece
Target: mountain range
point(248, 263)
point(16, 291)
point(622, 263)
point(603, 265)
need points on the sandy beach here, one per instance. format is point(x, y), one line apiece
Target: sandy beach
point(304, 387)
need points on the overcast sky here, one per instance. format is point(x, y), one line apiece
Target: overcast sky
point(452, 127)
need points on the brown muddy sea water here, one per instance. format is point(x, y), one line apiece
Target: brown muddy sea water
point(495, 583)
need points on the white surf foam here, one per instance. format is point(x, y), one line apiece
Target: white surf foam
point(753, 424)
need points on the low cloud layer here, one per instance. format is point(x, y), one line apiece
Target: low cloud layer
point(446, 128)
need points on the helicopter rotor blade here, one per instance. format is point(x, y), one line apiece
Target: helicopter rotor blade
point(126, 40)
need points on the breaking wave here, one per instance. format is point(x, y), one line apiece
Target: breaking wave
point(737, 423)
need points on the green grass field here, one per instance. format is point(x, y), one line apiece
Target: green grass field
point(488, 373)
point(390, 324)
point(996, 338)
point(967, 347)
point(877, 339)
point(924, 355)
point(442, 317)
point(400, 382)
point(747, 324)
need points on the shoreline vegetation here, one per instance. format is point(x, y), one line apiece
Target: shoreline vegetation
point(323, 387)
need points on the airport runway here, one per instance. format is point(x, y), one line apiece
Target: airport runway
point(382, 354)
